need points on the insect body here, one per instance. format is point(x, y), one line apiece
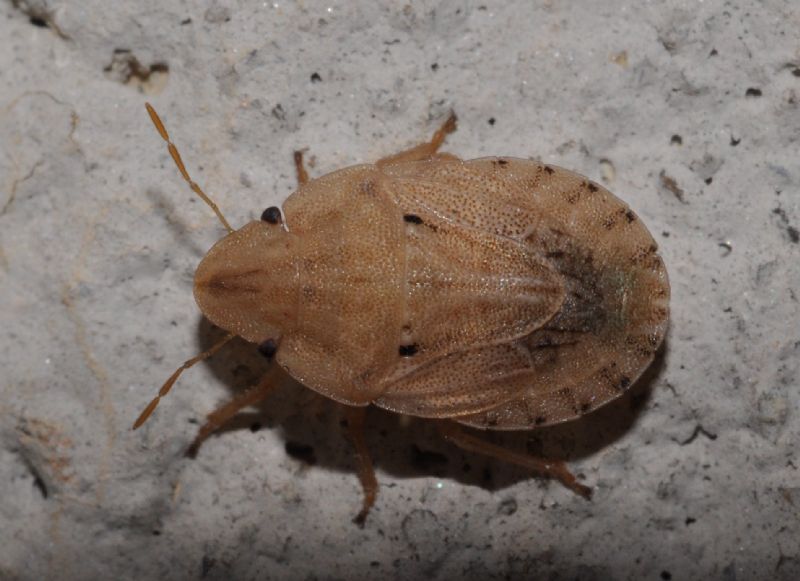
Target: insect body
point(497, 293)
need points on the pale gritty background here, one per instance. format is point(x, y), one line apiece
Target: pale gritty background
point(688, 110)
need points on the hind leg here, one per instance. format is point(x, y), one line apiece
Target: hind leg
point(556, 469)
point(425, 150)
point(366, 472)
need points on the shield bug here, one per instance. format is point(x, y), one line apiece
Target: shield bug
point(497, 293)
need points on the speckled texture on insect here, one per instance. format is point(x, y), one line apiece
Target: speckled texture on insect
point(499, 293)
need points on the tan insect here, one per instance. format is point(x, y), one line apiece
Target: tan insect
point(497, 293)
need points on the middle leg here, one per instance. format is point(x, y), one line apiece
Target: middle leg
point(427, 149)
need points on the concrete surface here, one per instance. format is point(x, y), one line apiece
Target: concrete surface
point(688, 110)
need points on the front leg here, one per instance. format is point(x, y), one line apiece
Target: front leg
point(219, 417)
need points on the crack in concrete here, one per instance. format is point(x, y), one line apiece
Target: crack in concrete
point(15, 184)
point(82, 340)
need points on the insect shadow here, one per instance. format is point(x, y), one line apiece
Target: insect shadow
point(313, 430)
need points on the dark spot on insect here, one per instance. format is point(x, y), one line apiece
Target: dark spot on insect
point(609, 222)
point(491, 120)
point(644, 352)
point(502, 161)
point(794, 234)
point(315, 78)
point(549, 169)
point(652, 249)
point(308, 291)
point(156, 533)
point(590, 186)
point(585, 407)
point(426, 460)
point(689, 521)
point(408, 350)
point(435, 67)
point(38, 21)
point(412, 219)
point(666, 575)
point(268, 348)
point(624, 382)
point(713, 52)
point(555, 254)
point(539, 420)
point(255, 426)
point(752, 92)
point(734, 141)
point(708, 181)
point(302, 452)
point(630, 216)
point(676, 140)
point(186, 21)
point(271, 215)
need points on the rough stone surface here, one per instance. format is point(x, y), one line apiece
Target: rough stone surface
point(690, 111)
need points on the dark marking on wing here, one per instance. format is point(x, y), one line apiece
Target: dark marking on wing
point(408, 350)
point(226, 283)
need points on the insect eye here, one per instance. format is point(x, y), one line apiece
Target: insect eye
point(268, 348)
point(272, 215)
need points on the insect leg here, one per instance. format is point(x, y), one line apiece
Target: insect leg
point(424, 150)
point(221, 416)
point(366, 472)
point(176, 157)
point(551, 468)
point(174, 377)
point(302, 174)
